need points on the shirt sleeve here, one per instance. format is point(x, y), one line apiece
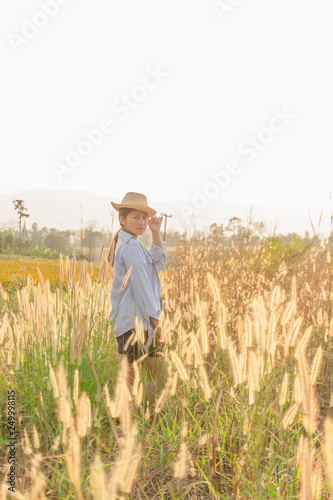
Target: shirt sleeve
point(158, 255)
point(139, 279)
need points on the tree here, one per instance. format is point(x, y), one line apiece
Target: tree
point(20, 208)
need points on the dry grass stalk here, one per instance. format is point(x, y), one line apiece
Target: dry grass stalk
point(180, 466)
point(98, 479)
point(309, 401)
point(121, 479)
point(303, 343)
point(163, 396)
point(214, 287)
point(317, 479)
point(76, 388)
point(284, 389)
point(174, 384)
point(288, 313)
point(73, 460)
point(235, 365)
point(328, 450)
point(36, 438)
point(26, 446)
point(305, 470)
point(205, 384)
point(316, 365)
point(196, 350)
point(178, 364)
point(294, 329)
point(83, 417)
point(290, 415)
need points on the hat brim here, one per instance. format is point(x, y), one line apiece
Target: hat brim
point(143, 208)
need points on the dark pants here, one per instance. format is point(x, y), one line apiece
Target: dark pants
point(136, 350)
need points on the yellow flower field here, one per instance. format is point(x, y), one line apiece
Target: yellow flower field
point(14, 273)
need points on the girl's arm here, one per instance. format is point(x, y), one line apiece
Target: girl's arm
point(158, 254)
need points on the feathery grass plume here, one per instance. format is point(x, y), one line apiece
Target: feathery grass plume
point(301, 346)
point(309, 402)
point(98, 479)
point(139, 394)
point(107, 397)
point(260, 323)
point(121, 470)
point(132, 470)
point(174, 384)
point(316, 365)
point(178, 364)
point(317, 479)
point(54, 382)
point(83, 274)
point(120, 405)
point(205, 384)
point(234, 365)
point(77, 341)
point(63, 401)
point(26, 446)
point(4, 294)
point(139, 331)
point(198, 361)
point(271, 335)
point(83, 417)
point(136, 378)
point(180, 466)
point(214, 287)
point(248, 331)
point(275, 298)
point(244, 363)
point(288, 312)
point(254, 371)
point(56, 443)
point(289, 415)
point(163, 396)
point(284, 389)
point(297, 390)
point(203, 335)
point(73, 460)
point(328, 449)
point(293, 331)
point(3, 490)
point(36, 438)
point(305, 470)
point(76, 388)
point(127, 276)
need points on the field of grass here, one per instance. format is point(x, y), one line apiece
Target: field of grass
point(246, 412)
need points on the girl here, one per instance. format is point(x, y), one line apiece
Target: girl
point(141, 295)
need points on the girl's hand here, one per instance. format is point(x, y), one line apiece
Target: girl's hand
point(154, 224)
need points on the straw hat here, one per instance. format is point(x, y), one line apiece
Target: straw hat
point(136, 201)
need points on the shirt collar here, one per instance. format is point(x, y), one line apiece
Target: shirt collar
point(125, 236)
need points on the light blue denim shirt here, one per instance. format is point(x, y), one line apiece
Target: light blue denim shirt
point(141, 296)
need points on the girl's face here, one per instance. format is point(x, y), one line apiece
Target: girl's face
point(135, 223)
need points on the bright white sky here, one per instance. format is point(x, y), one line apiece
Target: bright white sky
point(227, 72)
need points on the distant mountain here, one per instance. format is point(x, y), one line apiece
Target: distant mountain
point(61, 209)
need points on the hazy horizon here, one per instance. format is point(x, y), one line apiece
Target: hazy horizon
point(61, 210)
